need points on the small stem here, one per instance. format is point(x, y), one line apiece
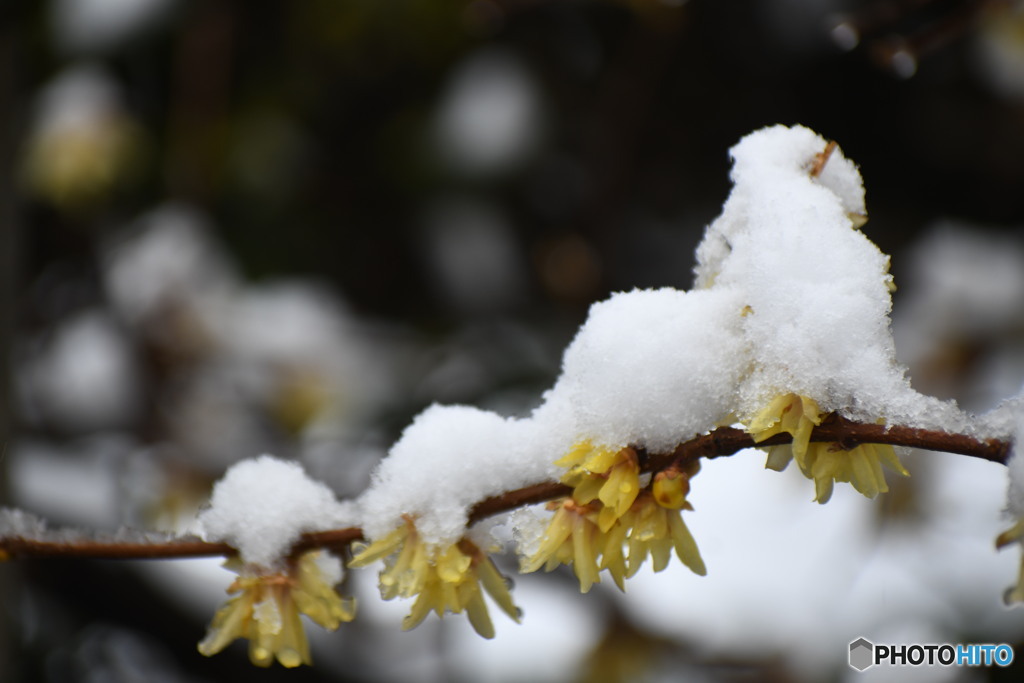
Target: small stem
point(510, 500)
point(15, 547)
point(821, 158)
point(336, 540)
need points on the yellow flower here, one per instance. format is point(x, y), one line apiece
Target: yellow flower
point(790, 413)
point(825, 463)
point(1014, 534)
point(267, 607)
point(671, 485)
point(609, 475)
point(572, 537)
point(648, 528)
point(652, 530)
point(442, 579)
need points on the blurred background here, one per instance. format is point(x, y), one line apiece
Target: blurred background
point(230, 228)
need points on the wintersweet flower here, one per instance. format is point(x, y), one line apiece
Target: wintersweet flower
point(443, 579)
point(825, 463)
point(572, 537)
point(267, 606)
point(652, 526)
point(650, 529)
point(1014, 534)
point(606, 474)
point(672, 484)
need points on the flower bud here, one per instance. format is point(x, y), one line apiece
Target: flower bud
point(670, 488)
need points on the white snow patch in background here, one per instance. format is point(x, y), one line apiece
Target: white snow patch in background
point(168, 256)
point(473, 252)
point(78, 99)
point(962, 291)
point(1015, 468)
point(86, 376)
point(490, 115)
point(97, 25)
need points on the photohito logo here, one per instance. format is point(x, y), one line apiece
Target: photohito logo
point(864, 654)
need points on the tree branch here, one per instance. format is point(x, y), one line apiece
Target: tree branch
point(722, 442)
point(17, 547)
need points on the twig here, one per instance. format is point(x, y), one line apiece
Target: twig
point(722, 442)
point(821, 158)
point(102, 549)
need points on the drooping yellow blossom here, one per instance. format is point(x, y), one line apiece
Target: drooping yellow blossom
point(825, 463)
point(441, 579)
point(609, 475)
point(1014, 534)
point(790, 413)
point(266, 611)
point(648, 528)
point(572, 537)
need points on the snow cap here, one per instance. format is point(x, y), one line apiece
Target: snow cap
point(263, 505)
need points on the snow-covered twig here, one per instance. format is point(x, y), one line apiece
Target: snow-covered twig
point(722, 442)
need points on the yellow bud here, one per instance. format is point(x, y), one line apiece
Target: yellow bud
point(670, 488)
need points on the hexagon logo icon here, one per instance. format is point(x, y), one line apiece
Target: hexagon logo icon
point(862, 654)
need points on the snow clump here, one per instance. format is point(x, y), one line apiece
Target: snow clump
point(448, 459)
point(263, 505)
point(653, 368)
point(815, 290)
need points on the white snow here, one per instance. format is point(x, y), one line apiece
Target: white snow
point(100, 25)
point(489, 115)
point(16, 523)
point(294, 333)
point(449, 458)
point(86, 376)
point(79, 99)
point(816, 289)
point(1015, 466)
point(263, 505)
point(653, 368)
point(471, 249)
point(169, 257)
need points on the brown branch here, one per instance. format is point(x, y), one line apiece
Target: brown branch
point(848, 434)
point(336, 540)
point(102, 549)
point(821, 158)
point(722, 442)
point(510, 500)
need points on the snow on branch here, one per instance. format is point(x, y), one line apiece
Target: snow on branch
point(20, 541)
